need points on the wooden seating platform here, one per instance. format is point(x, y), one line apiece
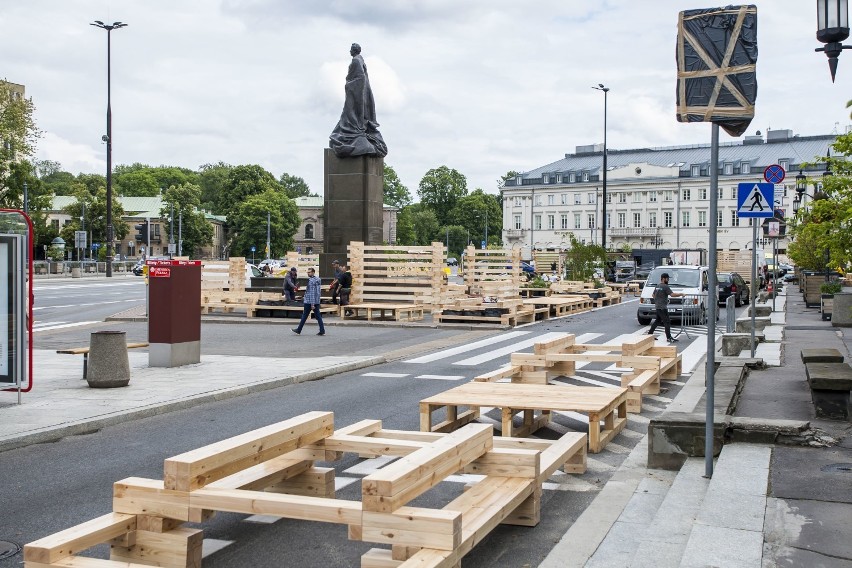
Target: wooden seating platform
point(507, 312)
point(559, 306)
point(383, 312)
point(272, 471)
point(292, 311)
point(228, 301)
point(602, 405)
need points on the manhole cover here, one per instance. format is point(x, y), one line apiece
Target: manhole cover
point(847, 467)
point(8, 549)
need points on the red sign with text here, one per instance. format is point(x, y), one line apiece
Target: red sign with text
point(159, 272)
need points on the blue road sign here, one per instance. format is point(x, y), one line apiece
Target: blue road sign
point(755, 200)
point(483, 244)
point(774, 174)
point(252, 249)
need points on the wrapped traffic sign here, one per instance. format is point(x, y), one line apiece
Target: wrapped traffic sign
point(716, 60)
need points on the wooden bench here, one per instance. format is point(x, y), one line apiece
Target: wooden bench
point(383, 312)
point(271, 471)
point(84, 351)
point(830, 385)
point(602, 405)
point(291, 311)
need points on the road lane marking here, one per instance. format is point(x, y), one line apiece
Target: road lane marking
point(386, 375)
point(490, 355)
point(465, 348)
point(441, 377)
point(139, 300)
point(47, 326)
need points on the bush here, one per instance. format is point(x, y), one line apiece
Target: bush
point(831, 288)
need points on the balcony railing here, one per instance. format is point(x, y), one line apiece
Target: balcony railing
point(633, 231)
point(514, 233)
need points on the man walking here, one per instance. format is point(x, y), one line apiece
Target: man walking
point(311, 300)
point(661, 303)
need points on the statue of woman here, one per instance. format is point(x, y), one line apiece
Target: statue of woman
point(357, 134)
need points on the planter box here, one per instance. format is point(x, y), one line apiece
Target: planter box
point(841, 312)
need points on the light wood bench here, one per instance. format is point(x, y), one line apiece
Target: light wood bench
point(386, 312)
point(607, 405)
point(84, 351)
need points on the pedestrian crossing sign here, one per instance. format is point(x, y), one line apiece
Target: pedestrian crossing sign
point(755, 200)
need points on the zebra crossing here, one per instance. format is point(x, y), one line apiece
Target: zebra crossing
point(49, 325)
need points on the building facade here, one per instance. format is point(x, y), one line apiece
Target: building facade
point(309, 237)
point(655, 198)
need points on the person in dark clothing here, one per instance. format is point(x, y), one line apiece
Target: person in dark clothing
point(334, 288)
point(344, 286)
point(291, 285)
point(661, 304)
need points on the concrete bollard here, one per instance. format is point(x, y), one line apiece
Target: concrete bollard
point(109, 365)
point(760, 311)
point(734, 343)
point(744, 325)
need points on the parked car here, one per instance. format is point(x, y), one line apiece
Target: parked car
point(692, 281)
point(252, 270)
point(732, 284)
point(139, 268)
point(452, 261)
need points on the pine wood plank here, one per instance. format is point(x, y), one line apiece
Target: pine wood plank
point(70, 541)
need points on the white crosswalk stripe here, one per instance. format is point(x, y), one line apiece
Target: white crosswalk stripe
point(46, 326)
point(386, 375)
point(467, 347)
point(491, 355)
point(441, 377)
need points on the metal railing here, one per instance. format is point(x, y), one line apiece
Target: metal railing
point(79, 269)
point(690, 310)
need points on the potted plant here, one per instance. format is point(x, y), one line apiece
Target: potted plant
point(598, 292)
point(827, 292)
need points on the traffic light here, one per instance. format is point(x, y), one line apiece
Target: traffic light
point(142, 229)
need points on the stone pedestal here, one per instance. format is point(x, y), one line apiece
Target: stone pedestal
point(352, 209)
point(109, 365)
point(841, 312)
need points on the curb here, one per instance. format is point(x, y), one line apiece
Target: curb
point(91, 425)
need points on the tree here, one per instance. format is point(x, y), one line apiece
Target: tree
point(456, 239)
point(18, 131)
point(213, 179)
point(95, 216)
point(183, 201)
point(405, 226)
point(59, 182)
point(249, 223)
point(581, 260)
point(294, 186)
point(511, 174)
point(92, 183)
point(440, 188)
point(39, 198)
point(244, 182)
point(425, 226)
point(470, 212)
point(140, 180)
point(395, 193)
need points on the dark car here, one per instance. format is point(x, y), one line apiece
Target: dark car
point(732, 284)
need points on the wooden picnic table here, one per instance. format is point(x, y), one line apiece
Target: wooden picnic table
point(606, 407)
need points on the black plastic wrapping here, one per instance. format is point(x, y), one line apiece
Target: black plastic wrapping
point(704, 37)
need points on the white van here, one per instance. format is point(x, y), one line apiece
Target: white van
point(693, 281)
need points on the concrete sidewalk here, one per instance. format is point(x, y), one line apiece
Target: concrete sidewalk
point(62, 404)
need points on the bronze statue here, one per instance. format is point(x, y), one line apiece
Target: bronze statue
point(357, 134)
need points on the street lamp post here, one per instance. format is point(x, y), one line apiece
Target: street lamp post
point(108, 139)
point(605, 90)
point(832, 29)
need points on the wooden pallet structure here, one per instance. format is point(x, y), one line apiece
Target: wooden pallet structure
point(559, 306)
point(397, 283)
point(645, 364)
point(227, 302)
point(302, 262)
point(223, 275)
point(493, 265)
point(273, 471)
point(293, 310)
point(476, 310)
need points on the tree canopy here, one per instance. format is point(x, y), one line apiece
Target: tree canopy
point(190, 225)
point(440, 189)
point(248, 223)
point(294, 186)
point(244, 182)
point(395, 193)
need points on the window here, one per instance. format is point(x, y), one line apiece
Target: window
point(578, 198)
point(591, 221)
point(728, 169)
point(652, 196)
point(608, 220)
point(564, 199)
point(668, 195)
point(637, 197)
point(538, 201)
point(735, 221)
point(702, 218)
point(637, 220)
point(577, 222)
point(734, 193)
point(622, 197)
point(517, 222)
point(551, 199)
point(667, 219)
point(702, 194)
point(591, 197)
point(55, 224)
point(571, 177)
point(684, 217)
point(564, 219)
point(309, 231)
point(551, 222)
point(652, 219)
point(545, 179)
point(745, 168)
point(718, 218)
point(558, 178)
point(609, 198)
point(720, 193)
point(517, 202)
point(537, 222)
point(784, 164)
point(687, 194)
point(622, 222)
point(519, 180)
point(696, 171)
point(156, 230)
point(585, 176)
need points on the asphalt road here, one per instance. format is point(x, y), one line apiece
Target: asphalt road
point(50, 487)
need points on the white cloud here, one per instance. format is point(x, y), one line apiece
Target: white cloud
point(73, 157)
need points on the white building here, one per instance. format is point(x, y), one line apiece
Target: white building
point(655, 197)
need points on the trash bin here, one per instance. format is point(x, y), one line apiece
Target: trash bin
point(76, 272)
point(109, 365)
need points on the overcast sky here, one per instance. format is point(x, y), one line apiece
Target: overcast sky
point(482, 86)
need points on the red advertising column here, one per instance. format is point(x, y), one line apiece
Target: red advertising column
point(174, 313)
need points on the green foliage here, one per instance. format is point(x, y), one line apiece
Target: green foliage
point(539, 282)
point(95, 216)
point(831, 288)
point(139, 180)
point(244, 182)
point(470, 212)
point(424, 225)
point(294, 186)
point(195, 230)
point(39, 196)
point(581, 260)
point(395, 193)
point(440, 189)
point(249, 223)
point(455, 236)
point(213, 179)
point(18, 131)
point(91, 183)
point(511, 174)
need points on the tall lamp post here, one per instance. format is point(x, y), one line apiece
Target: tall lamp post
point(486, 226)
point(832, 29)
point(108, 139)
point(605, 90)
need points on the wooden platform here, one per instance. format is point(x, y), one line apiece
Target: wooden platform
point(606, 408)
point(559, 306)
point(272, 471)
point(383, 312)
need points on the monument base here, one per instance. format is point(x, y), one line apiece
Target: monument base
point(174, 354)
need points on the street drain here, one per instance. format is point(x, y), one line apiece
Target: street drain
point(833, 467)
point(8, 549)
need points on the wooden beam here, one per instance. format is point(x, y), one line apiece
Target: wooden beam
point(289, 506)
point(140, 496)
point(63, 544)
point(411, 526)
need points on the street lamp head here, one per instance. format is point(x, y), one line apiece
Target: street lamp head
point(600, 87)
point(832, 29)
point(801, 183)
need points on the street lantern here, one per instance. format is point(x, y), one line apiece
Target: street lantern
point(832, 29)
point(108, 139)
